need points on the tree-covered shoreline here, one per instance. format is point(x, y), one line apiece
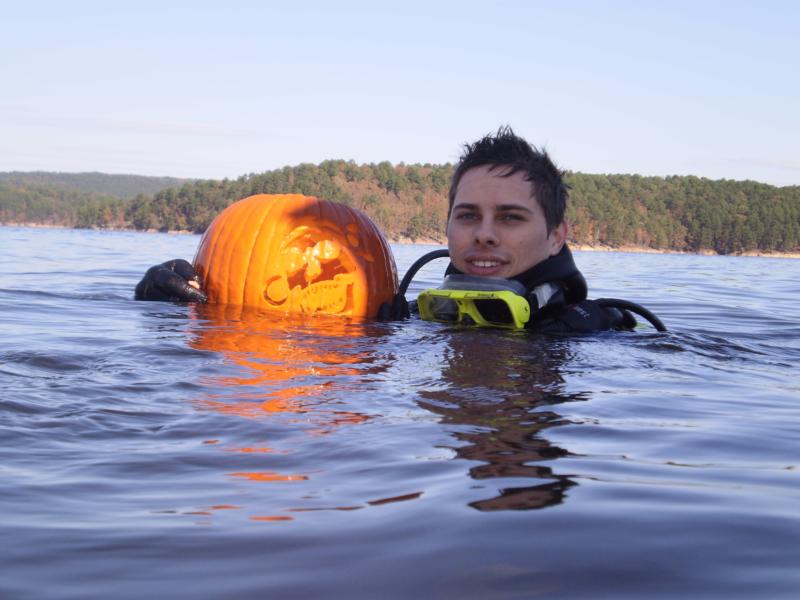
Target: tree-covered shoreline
point(409, 202)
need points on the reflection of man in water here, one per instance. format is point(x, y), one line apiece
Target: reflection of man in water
point(499, 396)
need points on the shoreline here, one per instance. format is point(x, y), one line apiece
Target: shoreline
point(631, 249)
point(439, 242)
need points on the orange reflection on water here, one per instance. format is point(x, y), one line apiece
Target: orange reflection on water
point(269, 476)
point(255, 450)
point(296, 373)
point(293, 364)
point(253, 409)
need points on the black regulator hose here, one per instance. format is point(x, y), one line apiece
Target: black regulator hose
point(418, 264)
point(634, 308)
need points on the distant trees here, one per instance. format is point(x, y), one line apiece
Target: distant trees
point(47, 205)
point(410, 201)
point(684, 213)
point(101, 184)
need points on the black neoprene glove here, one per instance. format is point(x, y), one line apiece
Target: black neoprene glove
point(396, 310)
point(170, 281)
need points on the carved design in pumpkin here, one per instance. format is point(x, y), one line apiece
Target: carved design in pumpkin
point(314, 272)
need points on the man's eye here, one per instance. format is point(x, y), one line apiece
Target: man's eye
point(511, 217)
point(467, 216)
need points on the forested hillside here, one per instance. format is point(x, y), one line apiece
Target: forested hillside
point(410, 201)
point(103, 184)
point(684, 213)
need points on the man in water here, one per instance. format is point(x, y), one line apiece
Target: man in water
point(506, 219)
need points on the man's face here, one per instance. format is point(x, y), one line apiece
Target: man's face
point(496, 227)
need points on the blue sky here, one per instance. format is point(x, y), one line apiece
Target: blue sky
point(222, 89)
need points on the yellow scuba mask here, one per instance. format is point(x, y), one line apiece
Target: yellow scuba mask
point(477, 302)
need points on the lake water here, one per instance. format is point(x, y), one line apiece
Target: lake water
point(171, 451)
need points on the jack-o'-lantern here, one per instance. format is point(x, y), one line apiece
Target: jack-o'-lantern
point(296, 254)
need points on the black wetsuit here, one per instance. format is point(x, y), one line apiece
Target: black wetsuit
point(567, 309)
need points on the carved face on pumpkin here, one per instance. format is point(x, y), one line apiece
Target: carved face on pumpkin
point(314, 271)
point(297, 254)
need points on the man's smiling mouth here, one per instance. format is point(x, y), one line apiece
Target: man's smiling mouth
point(485, 264)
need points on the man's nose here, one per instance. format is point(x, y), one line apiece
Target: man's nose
point(485, 234)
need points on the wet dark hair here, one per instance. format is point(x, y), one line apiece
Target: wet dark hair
point(505, 149)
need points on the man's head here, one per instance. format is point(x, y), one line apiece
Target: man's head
point(508, 154)
point(507, 202)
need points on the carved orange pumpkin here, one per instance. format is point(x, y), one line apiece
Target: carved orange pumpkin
point(296, 254)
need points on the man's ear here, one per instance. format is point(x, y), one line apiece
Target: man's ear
point(557, 237)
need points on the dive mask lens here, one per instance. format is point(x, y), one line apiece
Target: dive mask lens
point(476, 301)
point(494, 310)
point(440, 308)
